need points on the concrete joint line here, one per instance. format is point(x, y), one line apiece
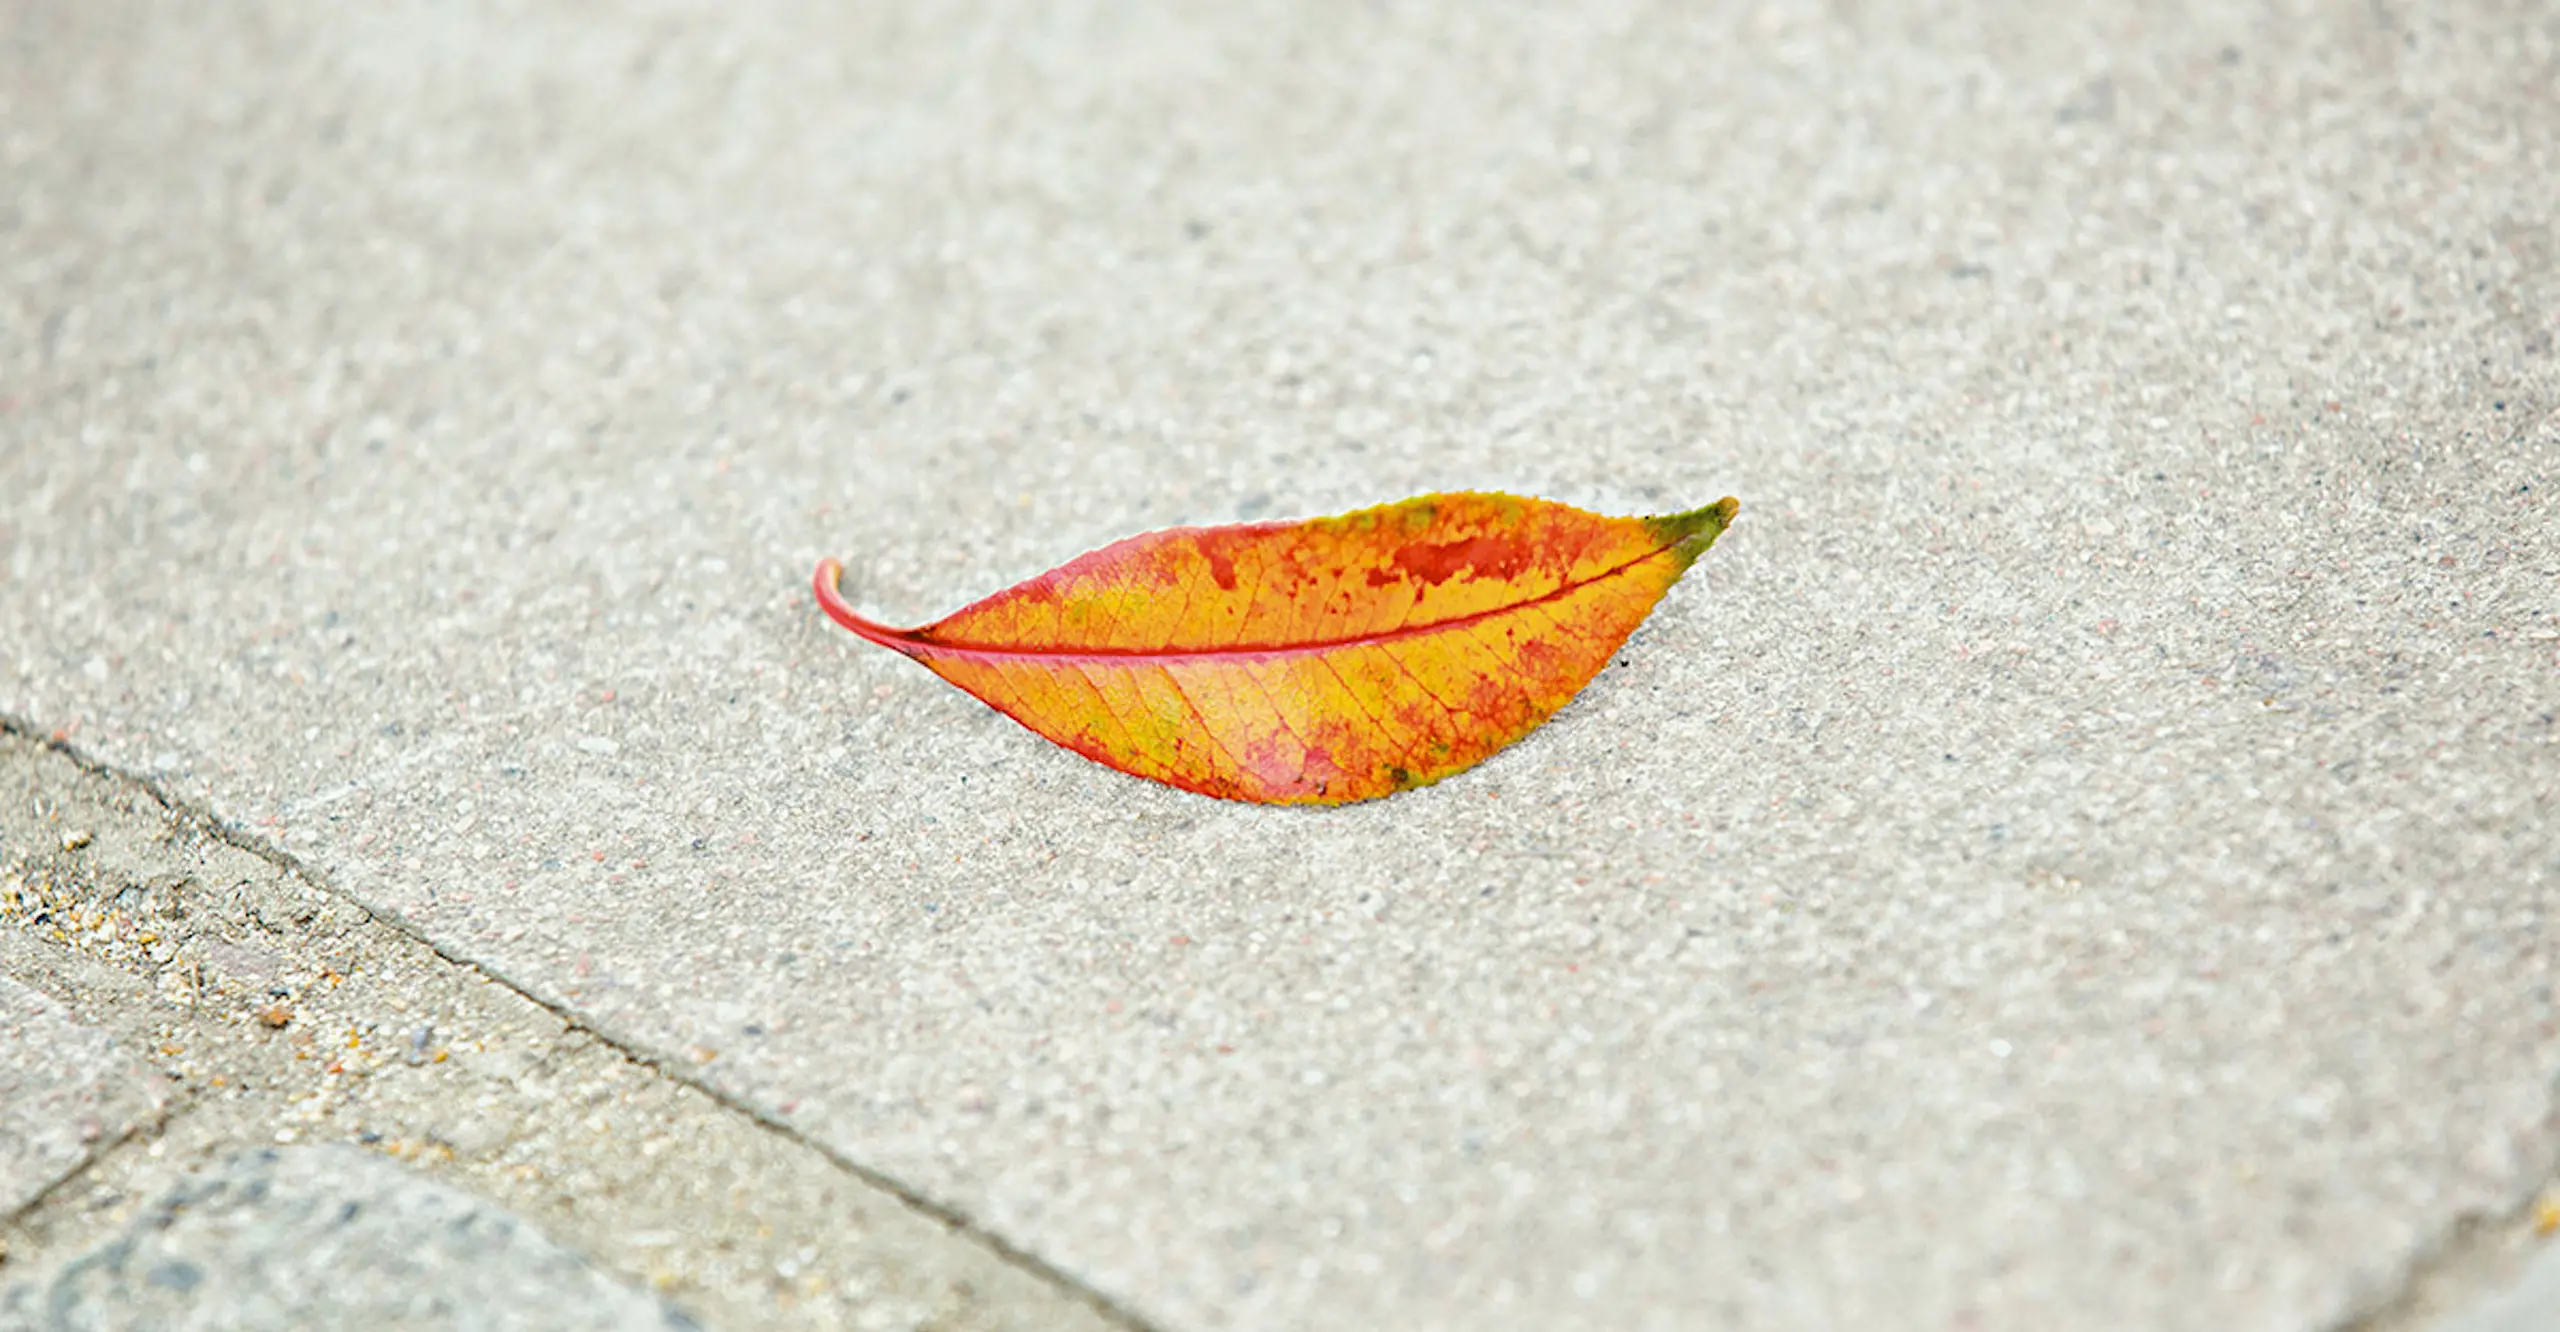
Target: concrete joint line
point(2476, 1255)
point(285, 1010)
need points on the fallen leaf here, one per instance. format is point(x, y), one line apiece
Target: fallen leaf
point(1314, 662)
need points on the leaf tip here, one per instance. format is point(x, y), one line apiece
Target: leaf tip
point(1697, 529)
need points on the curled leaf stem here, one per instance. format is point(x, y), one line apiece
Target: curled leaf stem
point(831, 599)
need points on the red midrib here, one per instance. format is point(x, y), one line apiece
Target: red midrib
point(913, 641)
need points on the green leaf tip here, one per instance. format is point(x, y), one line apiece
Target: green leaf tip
point(1694, 531)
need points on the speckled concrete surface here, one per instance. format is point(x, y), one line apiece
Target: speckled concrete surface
point(65, 1089)
point(2531, 1304)
point(321, 1237)
point(211, 1001)
point(2076, 854)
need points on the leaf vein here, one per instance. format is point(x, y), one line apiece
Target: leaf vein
point(1290, 649)
point(1201, 717)
point(1384, 727)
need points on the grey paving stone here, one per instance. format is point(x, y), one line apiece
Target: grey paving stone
point(385, 1044)
point(2532, 1304)
point(2078, 852)
point(327, 1237)
point(65, 1089)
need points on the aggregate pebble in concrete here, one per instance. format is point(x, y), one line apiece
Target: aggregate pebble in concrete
point(65, 1089)
point(328, 1237)
point(2079, 851)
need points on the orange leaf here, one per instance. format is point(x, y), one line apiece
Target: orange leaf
point(1313, 662)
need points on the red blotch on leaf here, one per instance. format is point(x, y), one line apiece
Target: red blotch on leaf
point(1477, 557)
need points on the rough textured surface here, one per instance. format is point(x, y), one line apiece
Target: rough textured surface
point(281, 1013)
point(328, 1237)
point(2532, 1304)
point(64, 1089)
point(2079, 852)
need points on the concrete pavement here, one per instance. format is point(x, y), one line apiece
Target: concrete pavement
point(203, 1002)
point(64, 1088)
point(328, 1237)
point(2077, 854)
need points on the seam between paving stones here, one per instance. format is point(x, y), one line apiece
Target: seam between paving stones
point(2473, 1258)
point(2474, 1255)
point(181, 1100)
point(956, 1221)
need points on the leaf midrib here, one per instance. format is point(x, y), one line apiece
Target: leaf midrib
point(920, 637)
